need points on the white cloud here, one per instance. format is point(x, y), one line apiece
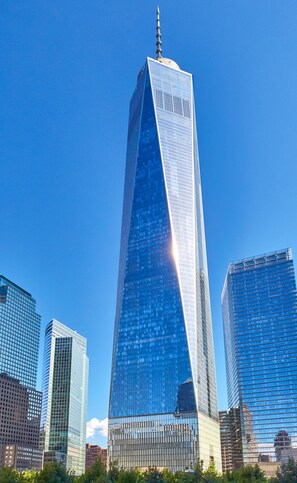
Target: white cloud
point(97, 425)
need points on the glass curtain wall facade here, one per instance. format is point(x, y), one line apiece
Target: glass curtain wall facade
point(65, 386)
point(260, 326)
point(20, 332)
point(20, 402)
point(163, 402)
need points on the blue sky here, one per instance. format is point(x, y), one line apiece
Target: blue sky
point(68, 70)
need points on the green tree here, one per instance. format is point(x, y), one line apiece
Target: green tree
point(9, 475)
point(113, 471)
point(96, 474)
point(286, 473)
point(230, 477)
point(54, 473)
point(29, 476)
point(153, 475)
point(199, 468)
point(169, 477)
point(130, 476)
point(198, 475)
point(182, 477)
point(211, 474)
point(247, 474)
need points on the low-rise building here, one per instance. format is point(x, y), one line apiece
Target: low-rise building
point(93, 452)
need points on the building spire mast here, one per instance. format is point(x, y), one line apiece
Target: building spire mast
point(158, 36)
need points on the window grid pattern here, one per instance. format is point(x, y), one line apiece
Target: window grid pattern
point(19, 333)
point(65, 384)
point(176, 104)
point(20, 409)
point(20, 403)
point(260, 325)
point(164, 440)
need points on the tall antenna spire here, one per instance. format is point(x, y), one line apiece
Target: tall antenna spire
point(158, 36)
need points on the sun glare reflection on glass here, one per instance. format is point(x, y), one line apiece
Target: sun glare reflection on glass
point(174, 251)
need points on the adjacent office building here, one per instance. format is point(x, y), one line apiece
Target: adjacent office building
point(65, 385)
point(259, 304)
point(20, 402)
point(163, 400)
point(231, 440)
point(93, 453)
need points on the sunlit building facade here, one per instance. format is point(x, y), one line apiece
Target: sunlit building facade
point(260, 326)
point(64, 407)
point(163, 400)
point(20, 402)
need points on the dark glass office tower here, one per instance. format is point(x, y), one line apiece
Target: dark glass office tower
point(260, 324)
point(163, 401)
point(65, 393)
point(20, 403)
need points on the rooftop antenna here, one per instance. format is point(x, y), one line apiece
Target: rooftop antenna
point(158, 36)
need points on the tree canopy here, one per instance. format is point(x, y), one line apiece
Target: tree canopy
point(57, 473)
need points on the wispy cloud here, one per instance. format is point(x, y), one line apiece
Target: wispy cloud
point(95, 425)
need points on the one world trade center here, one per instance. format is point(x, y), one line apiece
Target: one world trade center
point(163, 398)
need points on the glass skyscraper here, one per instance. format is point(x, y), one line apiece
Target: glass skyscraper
point(259, 304)
point(20, 402)
point(65, 386)
point(163, 401)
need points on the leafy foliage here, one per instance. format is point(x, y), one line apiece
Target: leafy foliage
point(246, 474)
point(54, 473)
point(29, 476)
point(130, 476)
point(113, 472)
point(153, 475)
point(57, 473)
point(9, 475)
point(287, 473)
point(96, 474)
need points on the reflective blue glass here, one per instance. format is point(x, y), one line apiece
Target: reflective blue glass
point(260, 325)
point(20, 403)
point(19, 333)
point(152, 358)
point(163, 407)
